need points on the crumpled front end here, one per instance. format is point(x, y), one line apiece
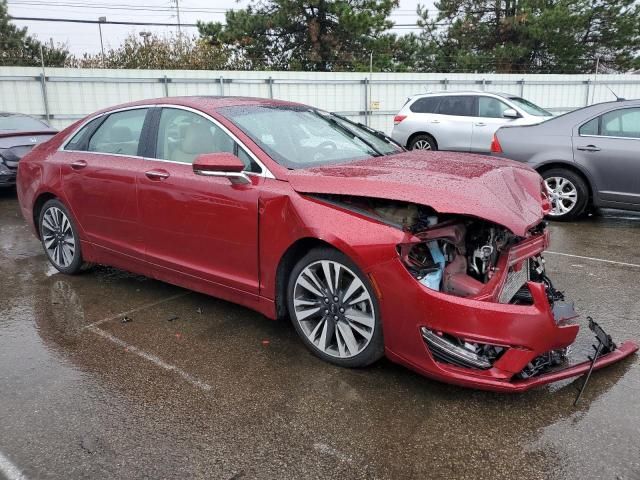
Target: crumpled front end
point(468, 302)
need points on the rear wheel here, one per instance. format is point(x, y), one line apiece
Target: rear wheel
point(568, 193)
point(423, 142)
point(334, 309)
point(60, 238)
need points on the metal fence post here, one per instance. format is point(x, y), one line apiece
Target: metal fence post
point(445, 84)
point(521, 82)
point(365, 82)
point(484, 84)
point(586, 97)
point(166, 86)
point(270, 82)
point(45, 99)
point(221, 86)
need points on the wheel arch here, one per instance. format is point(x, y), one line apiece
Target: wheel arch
point(295, 252)
point(574, 169)
point(42, 198)
point(415, 134)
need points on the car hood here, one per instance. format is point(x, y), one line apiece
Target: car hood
point(500, 191)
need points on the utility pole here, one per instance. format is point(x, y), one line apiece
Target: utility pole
point(101, 20)
point(178, 17)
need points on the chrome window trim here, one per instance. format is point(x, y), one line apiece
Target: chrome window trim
point(265, 171)
point(580, 125)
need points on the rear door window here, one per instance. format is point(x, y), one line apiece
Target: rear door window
point(457, 105)
point(621, 123)
point(425, 105)
point(120, 133)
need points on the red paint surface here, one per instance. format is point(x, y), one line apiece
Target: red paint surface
point(227, 240)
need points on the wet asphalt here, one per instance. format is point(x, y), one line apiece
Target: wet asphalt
point(112, 375)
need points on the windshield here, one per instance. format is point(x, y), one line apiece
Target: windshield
point(302, 137)
point(530, 108)
point(21, 122)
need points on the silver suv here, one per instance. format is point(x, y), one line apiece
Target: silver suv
point(462, 121)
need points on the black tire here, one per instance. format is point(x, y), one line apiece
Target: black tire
point(581, 189)
point(76, 264)
point(370, 353)
point(423, 139)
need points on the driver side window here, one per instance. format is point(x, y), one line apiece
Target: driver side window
point(491, 107)
point(183, 135)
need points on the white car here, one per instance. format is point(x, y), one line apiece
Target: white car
point(462, 121)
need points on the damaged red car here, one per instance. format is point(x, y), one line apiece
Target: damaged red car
point(432, 259)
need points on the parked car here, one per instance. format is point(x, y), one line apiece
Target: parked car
point(460, 121)
point(432, 259)
point(18, 135)
point(589, 158)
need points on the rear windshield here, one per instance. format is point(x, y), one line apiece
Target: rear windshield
point(21, 123)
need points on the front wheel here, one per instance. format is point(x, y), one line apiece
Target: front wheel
point(334, 309)
point(568, 193)
point(60, 238)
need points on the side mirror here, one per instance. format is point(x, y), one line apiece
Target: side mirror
point(221, 164)
point(510, 113)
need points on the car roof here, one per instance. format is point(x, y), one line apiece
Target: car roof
point(204, 102)
point(463, 92)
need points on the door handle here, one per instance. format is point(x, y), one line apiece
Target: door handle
point(480, 124)
point(435, 121)
point(78, 164)
point(588, 148)
point(157, 174)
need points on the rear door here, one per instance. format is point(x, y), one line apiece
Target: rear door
point(454, 122)
point(198, 226)
point(608, 146)
point(99, 166)
point(489, 118)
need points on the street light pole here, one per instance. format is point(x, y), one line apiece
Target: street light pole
point(101, 20)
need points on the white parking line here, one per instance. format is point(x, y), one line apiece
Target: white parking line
point(137, 309)
point(9, 470)
point(625, 264)
point(151, 358)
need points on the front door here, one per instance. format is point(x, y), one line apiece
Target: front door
point(490, 118)
point(609, 148)
point(200, 227)
point(99, 167)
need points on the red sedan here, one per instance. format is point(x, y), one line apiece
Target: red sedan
point(432, 259)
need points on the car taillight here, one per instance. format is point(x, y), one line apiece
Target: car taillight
point(546, 203)
point(398, 118)
point(495, 145)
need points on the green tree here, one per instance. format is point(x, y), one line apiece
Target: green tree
point(536, 36)
point(19, 49)
point(314, 35)
point(156, 52)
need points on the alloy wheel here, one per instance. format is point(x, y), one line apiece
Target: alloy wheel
point(334, 309)
point(58, 237)
point(422, 145)
point(563, 195)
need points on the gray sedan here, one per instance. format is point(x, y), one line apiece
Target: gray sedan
point(588, 158)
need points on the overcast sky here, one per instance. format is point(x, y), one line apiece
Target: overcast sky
point(85, 38)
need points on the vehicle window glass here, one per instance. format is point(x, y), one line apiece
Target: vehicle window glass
point(119, 133)
point(21, 122)
point(530, 107)
point(249, 164)
point(425, 105)
point(491, 107)
point(622, 123)
point(78, 139)
point(459, 106)
point(183, 135)
point(589, 128)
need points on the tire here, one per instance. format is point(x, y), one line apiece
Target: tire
point(568, 193)
point(353, 340)
point(423, 142)
point(60, 239)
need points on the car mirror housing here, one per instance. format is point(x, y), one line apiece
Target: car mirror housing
point(221, 164)
point(510, 113)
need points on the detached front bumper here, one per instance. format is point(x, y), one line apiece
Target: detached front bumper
point(525, 332)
